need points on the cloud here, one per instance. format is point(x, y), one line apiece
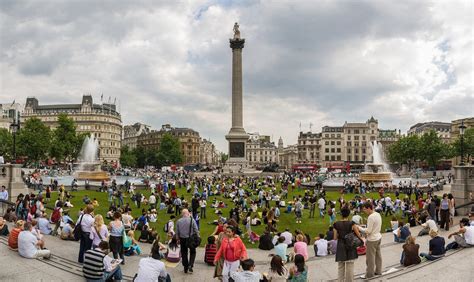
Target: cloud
point(322, 62)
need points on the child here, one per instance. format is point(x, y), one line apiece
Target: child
point(211, 250)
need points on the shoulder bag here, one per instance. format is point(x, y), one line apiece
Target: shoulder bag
point(77, 232)
point(194, 240)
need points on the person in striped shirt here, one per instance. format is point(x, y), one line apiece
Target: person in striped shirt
point(98, 266)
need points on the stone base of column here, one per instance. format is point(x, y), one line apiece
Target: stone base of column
point(463, 187)
point(10, 177)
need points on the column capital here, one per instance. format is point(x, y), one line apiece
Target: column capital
point(236, 43)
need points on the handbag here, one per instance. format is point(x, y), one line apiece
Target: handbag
point(77, 232)
point(352, 241)
point(194, 240)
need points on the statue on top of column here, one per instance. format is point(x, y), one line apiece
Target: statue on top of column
point(236, 31)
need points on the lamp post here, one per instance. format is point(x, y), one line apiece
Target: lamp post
point(14, 127)
point(462, 127)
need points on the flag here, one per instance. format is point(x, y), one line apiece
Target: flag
point(115, 100)
point(101, 97)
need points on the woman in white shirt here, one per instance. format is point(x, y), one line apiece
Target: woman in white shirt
point(151, 269)
point(99, 232)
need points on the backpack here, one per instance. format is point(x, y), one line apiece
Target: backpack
point(56, 215)
point(166, 227)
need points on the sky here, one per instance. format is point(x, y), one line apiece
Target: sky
point(313, 63)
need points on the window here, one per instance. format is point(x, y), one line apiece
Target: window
point(348, 151)
point(332, 135)
point(349, 158)
point(338, 142)
point(327, 150)
point(333, 150)
point(349, 131)
point(356, 137)
point(349, 143)
point(356, 158)
point(356, 131)
point(333, 143)
point(356, 144)
point(338, 157)
point(356, 150)
point(333, 158)
point(363, 136)
point(349, 137)
point(339, 136)
point(326, 158)
point(326, 135)
point(363, 151)
point(327, 142)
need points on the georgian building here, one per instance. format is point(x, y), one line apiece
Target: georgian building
point(387, 137)
point(288, 156)
point(131, 133)
point(208, 154)
point(260, 151)
point(188, 138)
point(101, 120)
point(309, 148)
point(443, 129)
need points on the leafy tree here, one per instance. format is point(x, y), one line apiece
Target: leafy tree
point(169, 151)
point(432, 148)
point(468, 145)
point(34, 140)
point(405, 151)
point(224, 157)
point(127, 157)
point(64, 139)
point(6, 143)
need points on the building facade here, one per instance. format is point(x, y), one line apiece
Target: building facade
point(103, 121)
point(131, 133)
point(387, 137)
point(260, 151)
point(288, 157)
point(337, 146)
point(208, 154)
point(455, 124)
point(443, 129)
point(9, 113)
point(188, 139)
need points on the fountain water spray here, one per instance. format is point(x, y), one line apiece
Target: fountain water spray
point(377, 152)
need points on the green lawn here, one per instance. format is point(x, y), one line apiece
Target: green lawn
point(312, 226)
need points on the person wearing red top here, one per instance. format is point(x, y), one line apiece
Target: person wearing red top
point(233, 250)
point(211, 250)
point(13, 238)
point(174, 194)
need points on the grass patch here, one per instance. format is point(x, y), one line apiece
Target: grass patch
point(311, 226)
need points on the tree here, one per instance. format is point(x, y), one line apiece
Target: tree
point(432, 149)
point(34, 140)
point(169, 151)
point(64, 139)
point(224, 157)
point(127, 157)
point(468, 145)
point(6, 143)
point(405, 151)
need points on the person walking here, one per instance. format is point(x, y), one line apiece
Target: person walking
point(233, 250)
point(345, 254)
point(185, 227)
point(374, 238)
point(117, 231)
point(444, 213)
point(86, 222)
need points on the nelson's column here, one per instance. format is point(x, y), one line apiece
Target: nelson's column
point(237, 136)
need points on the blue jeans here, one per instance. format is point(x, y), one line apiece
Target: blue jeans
point(429, 257)
point(398, 239)
point(116, 274)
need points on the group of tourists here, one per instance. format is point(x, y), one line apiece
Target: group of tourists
point(254, 202)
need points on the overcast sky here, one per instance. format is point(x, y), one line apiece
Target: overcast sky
point(319, 62)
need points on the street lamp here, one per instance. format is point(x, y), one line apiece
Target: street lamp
point(14, 127)
point(462, 127)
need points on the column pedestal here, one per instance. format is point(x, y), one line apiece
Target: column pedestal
point(10, 177)
point(462, 187)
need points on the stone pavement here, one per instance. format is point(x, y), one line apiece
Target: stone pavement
point(63, 265)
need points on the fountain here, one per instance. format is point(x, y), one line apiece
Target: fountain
point(378, 171)
point(89, 167)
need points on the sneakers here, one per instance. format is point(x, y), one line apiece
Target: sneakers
point(362, 276)
point(190, 270)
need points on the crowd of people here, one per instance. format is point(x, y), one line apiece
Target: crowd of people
point(346, 238)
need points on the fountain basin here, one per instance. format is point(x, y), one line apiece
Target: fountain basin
point(92, 175)
point(375, 176)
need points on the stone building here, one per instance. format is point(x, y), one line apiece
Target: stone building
point(337, 146)
point(8, 114)
point(131, 133)
point(103, 121)
point(454, 134)
point(288, 157)
point(188, 138)
point(443, 129)
point(260, 151)
point(387, 137)
point(208, 154)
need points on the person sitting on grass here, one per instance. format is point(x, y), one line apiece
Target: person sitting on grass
point(248, 273)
